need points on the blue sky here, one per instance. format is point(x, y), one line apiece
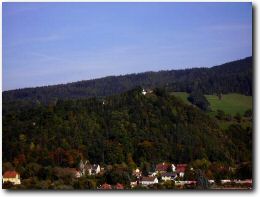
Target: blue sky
point(53, 43)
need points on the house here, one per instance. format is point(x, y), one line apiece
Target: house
point(180, 183)
point(225, 181)
point(133, 184)
point(190, 183)
point(87, 168)
point(77, 173)
point(147, 91)
point(95, 169)
point(169, 176)
point(12, 176)
point(148, 180)
point(164, 167)
point(135, 181)
point(119, 186)
point(180, 169)
point(105, 186)
point(246, 181)
point(137, 173)
point(173, 167)
point(211, 181)
point(82, 167)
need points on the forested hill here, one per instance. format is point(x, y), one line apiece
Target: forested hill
point(130, 127)
point(234, 76)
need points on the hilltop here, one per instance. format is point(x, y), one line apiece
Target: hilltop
point(231, 77)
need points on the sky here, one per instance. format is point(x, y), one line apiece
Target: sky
point(54, 43)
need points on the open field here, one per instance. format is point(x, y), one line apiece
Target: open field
point(182, 95)
point(230, 103)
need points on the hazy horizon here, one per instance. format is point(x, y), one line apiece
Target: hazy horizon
point(57, 43)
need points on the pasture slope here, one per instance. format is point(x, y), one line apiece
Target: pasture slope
point(230, 103)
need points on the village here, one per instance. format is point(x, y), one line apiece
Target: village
point(164, 173)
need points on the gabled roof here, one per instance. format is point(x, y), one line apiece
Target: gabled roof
point(10, 174)
point(169, 174)
point(181, 167)
point(92, 167)
point(162, 166)
point(95, 166)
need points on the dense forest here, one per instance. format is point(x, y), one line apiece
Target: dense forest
point(234, 77)
point(130, 128)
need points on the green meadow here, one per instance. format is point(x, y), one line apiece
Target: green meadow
point(182, 95)
point(230, 103)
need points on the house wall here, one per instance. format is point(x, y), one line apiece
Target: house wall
point(98, 169)
point(181, 174)
point(166, 178)
point(15, 181)
point(173, 168)
point(149, 182)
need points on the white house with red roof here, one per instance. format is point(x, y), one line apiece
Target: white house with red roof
point(148, 181)
point(180, 169)
point(164, 167)
point(12, 176)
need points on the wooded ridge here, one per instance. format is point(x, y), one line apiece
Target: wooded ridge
point(235, 76)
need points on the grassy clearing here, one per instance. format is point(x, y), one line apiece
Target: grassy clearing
point(230, 103)
point(182, 95)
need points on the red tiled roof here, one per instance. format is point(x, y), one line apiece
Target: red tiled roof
point(106, 186)
point(162, 167)
point(119, 186)
point(10, 174)
point(181, 167)
point(169, 174)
